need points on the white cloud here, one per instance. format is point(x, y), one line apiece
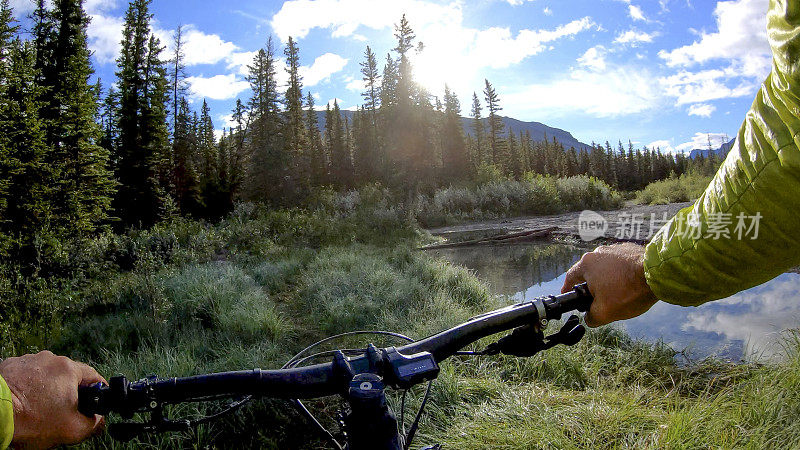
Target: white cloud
point(767, 310)
point(202, 48)
point(297, 18)
point(105, 35)
point(701, 110)
point(322, 69)
point(594, 58)
point(614, 92)
point(21, 7)
point(698, 87)
point(740, 38)
point(355, 84)
point(547, 11)
point(240, 61)
point(663, 145)
point(700, 141)
point(501, 49)
point(636, 13)
point(634, 37)
point(96, 6)
point(219, 87)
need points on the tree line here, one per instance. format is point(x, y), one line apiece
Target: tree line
point(75, 157)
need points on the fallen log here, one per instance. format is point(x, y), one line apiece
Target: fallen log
point(502, 239)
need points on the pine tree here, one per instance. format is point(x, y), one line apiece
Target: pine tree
point(369, 159)
point(70, 106)
point(239, 156)
point(266, 180)
point(184, 173)
point(208, 150)
point(497, 144)
point(478, 130)
point(26, 231)
point(294, 125)
point(341, 163)
point(142, 154)
point(454, 149)
point(319, 164)
point(177, 73)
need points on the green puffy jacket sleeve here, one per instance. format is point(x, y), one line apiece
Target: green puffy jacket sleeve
point(6, 415)
point(690, 261)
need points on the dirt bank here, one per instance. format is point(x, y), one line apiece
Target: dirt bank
point(633, 222)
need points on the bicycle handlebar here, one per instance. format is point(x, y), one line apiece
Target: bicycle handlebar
point(318, 380)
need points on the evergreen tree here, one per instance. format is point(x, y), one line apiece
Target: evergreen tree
point(142, 151)
point(477, 129)
point(319, 164)
point(369, 159)
point(177, 73)
point(294, 125)
point(208, 150)
point(341, 163)
point(26, 198)
point(266, 180)
point(184, 174)
point(238, 155)
point(70, 106)
point(454, 149)
point(497, 144)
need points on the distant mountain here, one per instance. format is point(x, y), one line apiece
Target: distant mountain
point(538, 131)
point(722, 151)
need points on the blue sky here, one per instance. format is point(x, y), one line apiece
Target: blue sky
point(666, 73)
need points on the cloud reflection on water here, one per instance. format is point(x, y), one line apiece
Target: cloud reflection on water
point(749, 325)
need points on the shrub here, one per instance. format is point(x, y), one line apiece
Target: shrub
point(688, 187)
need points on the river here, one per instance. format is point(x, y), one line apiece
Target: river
point(752, 325)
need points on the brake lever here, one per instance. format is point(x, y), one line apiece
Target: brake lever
point(529, 340)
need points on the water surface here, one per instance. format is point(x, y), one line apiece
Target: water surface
point(750, 325)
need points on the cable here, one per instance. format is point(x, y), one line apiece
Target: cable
point(296, 360)
point(349, 333)
point(413, 430)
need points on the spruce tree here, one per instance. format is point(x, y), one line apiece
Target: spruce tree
point(319, 165)
point(184, 173)
point(497, 144)
point(294, 125)
point(454, 149)
point(341, 162)
point(142, 154)
point(369, 159)
point(70, 106)
point(27, 232)
point(478, 130)
point(266, 180)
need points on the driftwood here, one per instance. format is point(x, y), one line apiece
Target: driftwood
point(521, 236)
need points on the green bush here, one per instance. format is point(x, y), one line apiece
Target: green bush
point(686, 188)
point(534, 195)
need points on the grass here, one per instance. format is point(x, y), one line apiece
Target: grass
point(189, 297)
point(685, 188)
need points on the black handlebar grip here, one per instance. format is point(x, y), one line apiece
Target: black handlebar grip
point(579, 298)
point(583, 298)
point(91, 399)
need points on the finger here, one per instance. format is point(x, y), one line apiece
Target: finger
point(596, 316)
point(89, 375)
point(575, 274)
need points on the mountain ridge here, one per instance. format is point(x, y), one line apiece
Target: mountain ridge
point(539, 131)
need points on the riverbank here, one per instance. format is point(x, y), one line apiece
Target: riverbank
point(647, 218)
